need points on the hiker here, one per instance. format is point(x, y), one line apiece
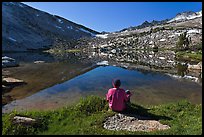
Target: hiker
point(117, 97)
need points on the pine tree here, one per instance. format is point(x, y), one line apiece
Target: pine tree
point(183, 42)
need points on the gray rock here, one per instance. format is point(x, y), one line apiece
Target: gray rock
point(132, 123)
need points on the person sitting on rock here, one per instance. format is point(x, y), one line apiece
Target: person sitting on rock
point(117, 97)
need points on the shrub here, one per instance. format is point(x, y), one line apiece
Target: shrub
point(183, 42)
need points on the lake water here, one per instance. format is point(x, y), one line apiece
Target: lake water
point(63, 81)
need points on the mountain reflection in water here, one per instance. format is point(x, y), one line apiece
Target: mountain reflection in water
point(147, 86)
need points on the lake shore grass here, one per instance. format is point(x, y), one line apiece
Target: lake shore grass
point(189, 55)
point(87, 117)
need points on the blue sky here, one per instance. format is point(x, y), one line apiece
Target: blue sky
point(114, 16)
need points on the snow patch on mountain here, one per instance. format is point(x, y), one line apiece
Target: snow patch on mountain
point(104, 36)
point(58, 27)
point(60, 21)
point(86, 31)
point(69, 27)
point(186, 16)
point(194, 31)
point(12, 39)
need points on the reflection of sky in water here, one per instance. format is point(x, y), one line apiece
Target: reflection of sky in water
point(99, 80)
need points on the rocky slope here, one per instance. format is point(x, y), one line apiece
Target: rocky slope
point(135, 48)
point(25, 28)
point(161, 36)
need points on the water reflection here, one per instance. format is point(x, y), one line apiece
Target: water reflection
point(43, 75)
point(182, 69)
point(27, 57)
point(147, 88)
point(64, 78)
point(159, 60)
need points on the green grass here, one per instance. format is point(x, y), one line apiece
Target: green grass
point(188, 55)
point(87, 117)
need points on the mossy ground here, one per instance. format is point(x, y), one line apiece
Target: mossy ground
point(88, 115)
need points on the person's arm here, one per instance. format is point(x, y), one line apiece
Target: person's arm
point(129, 94)
point(108, 95)
point(125, 96)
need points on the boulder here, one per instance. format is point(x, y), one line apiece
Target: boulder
point(197, 67)
point(12, 80)
point(132, 123)
point(23, 120)
point(9, 62)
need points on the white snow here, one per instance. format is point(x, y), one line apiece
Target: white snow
point(125, 66)
point(104, 36)
point(174, 76)
point(162, 40)
point(170, 61)
point(69, 27)
point(113, 51)
point(37, 15)
point(103, 63)
point(60, 21)
point(195, 79)
point(161, 57)
point(150, 56)
point(21, 5)
point(189, 17)
point(17, 4)
point(171, 36)
point(92, 34)
point(58, 27)
point(7, 58)
point(151, 42)
point(105, 45)
point(177, 33)
point(194, 31)
point(12, 39)
point(191, 78)
point(103, 54)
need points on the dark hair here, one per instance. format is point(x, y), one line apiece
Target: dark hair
point(117, 83)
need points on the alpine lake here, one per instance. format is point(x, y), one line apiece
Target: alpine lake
point(61, 80)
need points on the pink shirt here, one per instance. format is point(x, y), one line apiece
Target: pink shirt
point(117, 99)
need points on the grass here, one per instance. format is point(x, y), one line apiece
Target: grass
point(188, 55)
point(87, 117)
